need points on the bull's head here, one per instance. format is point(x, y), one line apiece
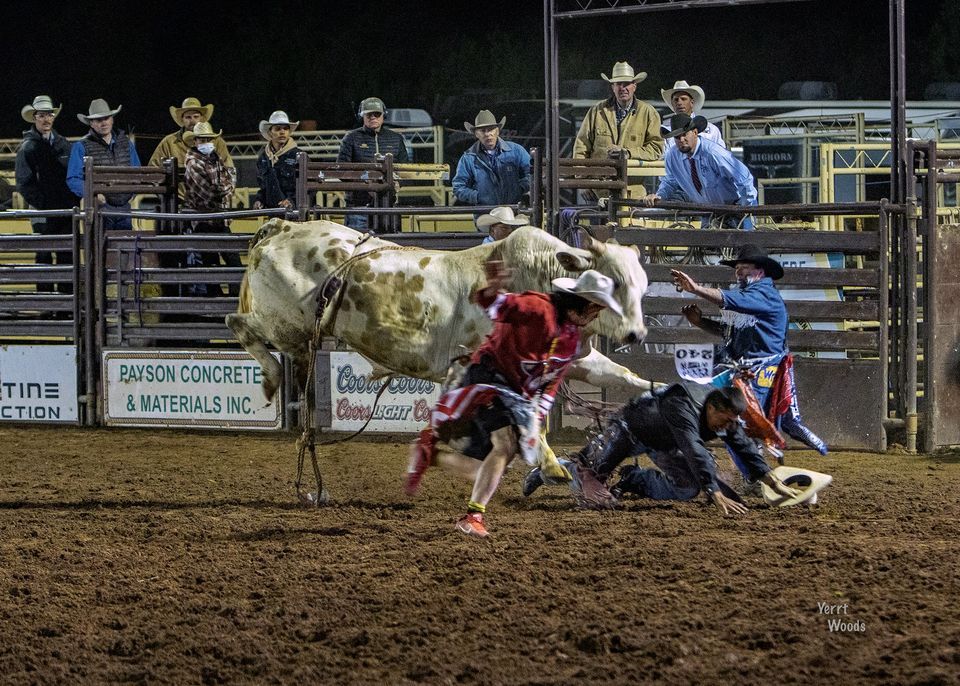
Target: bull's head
point(622, 264)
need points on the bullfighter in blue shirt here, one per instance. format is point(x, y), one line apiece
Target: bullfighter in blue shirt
point(753, 325)
point(700, 171)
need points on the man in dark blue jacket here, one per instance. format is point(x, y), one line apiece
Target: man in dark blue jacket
point(277, 163)
point(41, 172)
point(753, 325)
point(492, 171)
point(370, 143)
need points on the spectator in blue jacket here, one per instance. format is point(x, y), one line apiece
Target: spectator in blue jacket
point(108, 146)
point(492, 171)
point(700, 171)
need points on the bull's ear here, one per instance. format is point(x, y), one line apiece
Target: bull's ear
point(574, 261)
point(592, 244)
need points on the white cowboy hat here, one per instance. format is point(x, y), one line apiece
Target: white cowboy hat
point(807, 482)
point(695, 92)
point(201, 130)
point(501, 215)
point(623, 72)
point(190, 104)
point(278, 117)
point(99, 109)
point(41, 103)
point(484, 118)
point(593, 286)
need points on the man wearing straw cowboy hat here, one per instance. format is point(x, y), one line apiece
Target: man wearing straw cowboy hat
point(500, 223)
point(41, 173)
point(277, 163)
point(107, 146)
point(621, 124)
point(208, 183)
point(686, 99)
point(370, 143)
point(188, 115)
point(492, 171)
point(699, 171)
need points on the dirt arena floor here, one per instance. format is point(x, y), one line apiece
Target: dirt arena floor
point(162, 557)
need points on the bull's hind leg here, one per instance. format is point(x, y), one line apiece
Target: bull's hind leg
point(251, 337)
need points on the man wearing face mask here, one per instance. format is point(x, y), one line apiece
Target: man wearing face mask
point(187, 116)
point(753, 326)
point(208, 184)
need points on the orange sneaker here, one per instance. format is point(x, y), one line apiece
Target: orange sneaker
point(419, 463)
point(471, 524)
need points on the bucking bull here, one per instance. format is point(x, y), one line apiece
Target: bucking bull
point(408, 310)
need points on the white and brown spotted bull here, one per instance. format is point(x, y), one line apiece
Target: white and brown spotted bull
point(408, 310)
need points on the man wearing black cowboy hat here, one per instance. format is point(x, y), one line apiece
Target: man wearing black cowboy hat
point(753, 324)
point(700, 171)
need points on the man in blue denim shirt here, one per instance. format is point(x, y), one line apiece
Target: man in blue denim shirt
point(700, 171)
point(753, 325)
point(492, 171)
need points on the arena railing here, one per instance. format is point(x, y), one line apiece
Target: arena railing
point(860, 320)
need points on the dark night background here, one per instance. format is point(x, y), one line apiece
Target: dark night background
point(317, 60)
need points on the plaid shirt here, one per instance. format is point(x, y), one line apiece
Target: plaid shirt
point(208, 182)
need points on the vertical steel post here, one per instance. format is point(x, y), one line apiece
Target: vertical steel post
point(910, 297)
point(883, 296)
point(536, 187)
point(931, 287)
point(551, 118)
point(302, 204)
point(91, 284)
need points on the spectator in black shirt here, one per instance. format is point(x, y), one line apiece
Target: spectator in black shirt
point(370, 143)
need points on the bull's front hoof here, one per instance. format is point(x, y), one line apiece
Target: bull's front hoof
point(310, 499)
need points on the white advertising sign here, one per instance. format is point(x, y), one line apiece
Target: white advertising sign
point(403, 408)
point(694, 361)
point(825, 260)
point(213, 389)
point(38, 383)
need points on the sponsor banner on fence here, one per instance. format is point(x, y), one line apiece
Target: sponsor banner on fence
point(404, 407)
point(214, 389)
point(694, 361)
point(832, 260)
point(38, 383)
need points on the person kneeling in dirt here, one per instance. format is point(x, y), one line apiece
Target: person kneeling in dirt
point(671, 425)
point(510, 384)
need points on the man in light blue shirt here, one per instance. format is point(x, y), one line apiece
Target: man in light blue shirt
point(700, 171)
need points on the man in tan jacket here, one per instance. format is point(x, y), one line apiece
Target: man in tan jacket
point(621, 123)
point(187, 116)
